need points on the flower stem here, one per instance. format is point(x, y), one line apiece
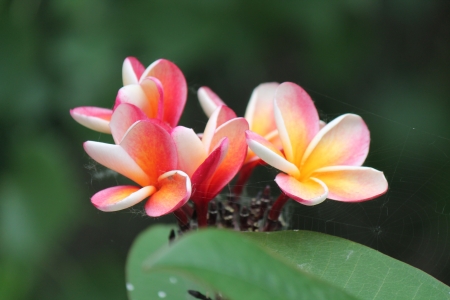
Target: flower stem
point(275, 211)
point(272, 223)
point(202, 213)
point(183, 220)
point(187, 210)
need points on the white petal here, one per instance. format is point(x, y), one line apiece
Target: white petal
point(209, 101)
point(134, 94)
point(93, 123)
point(111, 199)
point(272, 158)
point(117, 159)
point(282, 132)
point(210, 128)
point(128, 73)
point(191, 152)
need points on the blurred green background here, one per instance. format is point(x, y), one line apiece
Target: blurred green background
point(386, 60)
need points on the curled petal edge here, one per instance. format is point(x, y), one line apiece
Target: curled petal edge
point(95, 118)
point(174, 85)
point(173, 192)
point(310, 192)
point(120, 197)
point(209, 101)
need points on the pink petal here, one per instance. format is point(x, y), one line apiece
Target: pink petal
point(297, 120)
point(270, 154)
point(132, 70)
point(191, 152)
point(209, 101)
point(148, 96)
point(175, 88)
point(221, 115)
point(342, 142)
point(352, 184)
point(234, 130)
point(309, 192)
point(121, 197)
point(174, 191)
point(117, 159)
point(134, 94)
point(152, 148)
point(123, 117)
point(203, 190)
point(259, 113)
point(154, 92)
point(94, 118)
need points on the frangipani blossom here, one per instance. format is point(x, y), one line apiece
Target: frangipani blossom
point(260, 117)
point(147, 155)
point(259, 112)
point(318, 163)
point(211, 162)
point(160, 91)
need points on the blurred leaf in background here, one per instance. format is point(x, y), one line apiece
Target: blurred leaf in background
point(385, 60)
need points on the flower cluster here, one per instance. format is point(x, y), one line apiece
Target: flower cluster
point(172, 164)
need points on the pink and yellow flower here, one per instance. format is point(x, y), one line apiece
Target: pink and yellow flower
point(260, 117)
point(160, 91)
point(146, 154)
point(259, 112)
point(318, 163)
point(212, 161)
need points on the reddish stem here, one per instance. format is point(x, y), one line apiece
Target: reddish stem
point(183, 220)
point(244, 175)
point(202, 213)
point(187, 209)
point(275, 211)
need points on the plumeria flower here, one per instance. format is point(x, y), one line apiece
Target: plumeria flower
point(318, 164)
point(261, 120)
point(259, 112)
point(146, 154)
point(212, 161)
point(160, 91)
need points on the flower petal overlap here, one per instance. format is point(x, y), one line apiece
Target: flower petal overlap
point(147, 155)
point(319, 163)
point(214, 160)
point(259, 112)
point(160, 91)
point(171, 164)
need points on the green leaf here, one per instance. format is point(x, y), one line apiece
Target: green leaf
point(144, 285)
point(361, 271)
point(223, 261)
